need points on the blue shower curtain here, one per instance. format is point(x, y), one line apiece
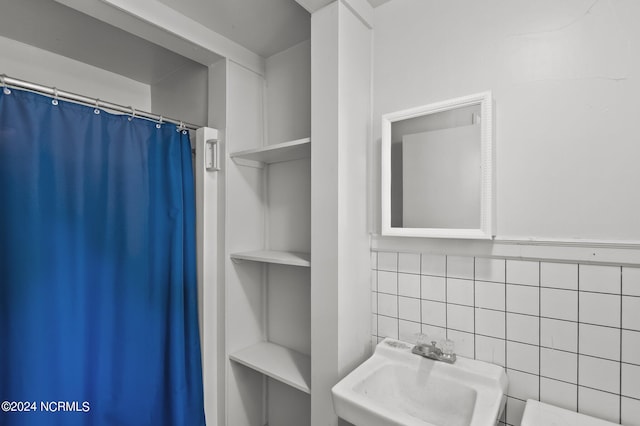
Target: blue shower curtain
point(98, 309)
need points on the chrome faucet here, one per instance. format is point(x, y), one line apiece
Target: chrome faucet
point(432, 351)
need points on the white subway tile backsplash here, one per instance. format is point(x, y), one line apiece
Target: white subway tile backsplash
point(515, 410)
point(601, 309)
point(559, 365)
point(559, 275)
point(409, 309)
point(555, 303)
point(630, 385)
point(490, 295)
point(563, 331)
point(460, 291)
point(434, 333)
point(490, 270)
point(491, 350)
point(523, 385)
point(603, 342)
point(605, 279)
point(631, 347)
point(464, 343)
point(434, 313)
point(558, 334)
point(523, 357)
point(388, 305)
point(523, 328)
point(630, 414)
point(523, 299)
point(387, 327)
point(374, 342)
point(460, 267)
point(560, 394)
point(490, 323)
point(374, 324)
point(388, 261)
point(631, 281)
point(631, 313)
point(523, 272)
point(433, 288)
point(387, 282)
point(460, 318)
point(599, 373)
point(408, 331)
point(599, 404)
point(409, 263)
point(409, 285)
point(434, 264)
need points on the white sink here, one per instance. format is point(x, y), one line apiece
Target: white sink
point(397, 387)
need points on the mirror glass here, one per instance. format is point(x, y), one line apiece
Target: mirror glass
point(437, 169)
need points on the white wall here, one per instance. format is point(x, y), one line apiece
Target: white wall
point(565, 78)
point(29, 63)
point(340, 87)
point(288, 88)
point(183, 95)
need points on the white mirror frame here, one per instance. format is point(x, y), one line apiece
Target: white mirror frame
point(485, 231)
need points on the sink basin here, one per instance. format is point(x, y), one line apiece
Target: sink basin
point(397, 387)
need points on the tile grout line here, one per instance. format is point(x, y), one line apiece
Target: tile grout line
point(539, 333)
point(475, 349)
point(578, 345)
point(506, 408)
point(420, 289)
point(446, 297)
point(397, 292)
point(621, 377)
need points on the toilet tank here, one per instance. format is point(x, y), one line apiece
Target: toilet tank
point(538, 413)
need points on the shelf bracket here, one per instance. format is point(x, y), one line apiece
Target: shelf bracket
point(211, 155)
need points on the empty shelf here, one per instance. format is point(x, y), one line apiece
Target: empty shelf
point(277, 362)
point(272, 256)
point(285, 151)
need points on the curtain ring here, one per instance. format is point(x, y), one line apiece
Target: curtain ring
point(133, 113)
point(180, 127)
point(159, 125)
point(54, 101)
point(97, 109)
point(3, 81)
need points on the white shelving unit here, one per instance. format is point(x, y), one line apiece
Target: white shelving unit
point(286, 151)
point(277, 362)
point(272, 256)
point(269, 358)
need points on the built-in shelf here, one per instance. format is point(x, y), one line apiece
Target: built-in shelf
point(286, 151)
point(277, 362)
point(272, 256)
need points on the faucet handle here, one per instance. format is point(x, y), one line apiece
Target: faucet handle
point(448, 347)
point(421, 339)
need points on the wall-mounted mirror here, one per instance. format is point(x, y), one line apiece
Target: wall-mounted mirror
point(437, 169)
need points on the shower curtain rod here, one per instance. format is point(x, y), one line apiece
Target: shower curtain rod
point(6, 81)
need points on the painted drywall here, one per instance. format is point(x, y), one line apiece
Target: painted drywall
point(340, 87)
point(564, 77)
point(29, 63)
point(288, 94)
point(183, 95)
point(217, 114)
